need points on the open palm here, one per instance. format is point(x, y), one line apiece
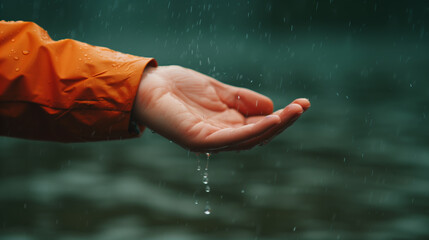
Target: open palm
point(203, 114)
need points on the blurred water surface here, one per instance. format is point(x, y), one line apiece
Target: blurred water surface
point(355, 166)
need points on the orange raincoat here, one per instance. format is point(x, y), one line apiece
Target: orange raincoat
point(65, 90)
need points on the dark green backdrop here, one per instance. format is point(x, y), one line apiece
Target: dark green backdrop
point(354, 167)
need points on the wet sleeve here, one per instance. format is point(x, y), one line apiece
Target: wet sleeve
point(65, 90)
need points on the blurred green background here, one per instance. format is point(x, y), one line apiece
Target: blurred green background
point(355, 166)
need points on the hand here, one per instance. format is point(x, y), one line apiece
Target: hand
point(205, 115)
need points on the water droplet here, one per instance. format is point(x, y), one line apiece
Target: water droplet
point(113, 65)
point(294, 229)
point(207, 162)
point(198, 163)
point(238, 97)
point(17, 69)
point(25, 52)
point(206, 178)
point(16, 58)
point(242, 191)
point(80, 59)
point(196, 202)
point(207, 188)
point(13, 40)
point(86, 55)
point(207, 209)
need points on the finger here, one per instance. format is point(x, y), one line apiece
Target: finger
point(254, 119)
point(245, 101)
point(263, 140)
point(304, 102)
point(288, 116)
point(230, 136)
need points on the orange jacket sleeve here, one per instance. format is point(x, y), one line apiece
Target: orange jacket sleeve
point(64, 90)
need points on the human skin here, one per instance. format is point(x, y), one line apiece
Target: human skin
point(204, 115)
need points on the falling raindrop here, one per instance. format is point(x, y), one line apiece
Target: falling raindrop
point(198, 163)
point(206, 178)
point(207, 163)
point(206, 174)
point(207, 209)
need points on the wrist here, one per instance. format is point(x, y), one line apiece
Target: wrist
point(139, 100)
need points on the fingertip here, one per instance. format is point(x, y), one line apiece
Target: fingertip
point(270, 104)
point(274, 118)
point(295, 108)
point(303, 102)
point(252, 103)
